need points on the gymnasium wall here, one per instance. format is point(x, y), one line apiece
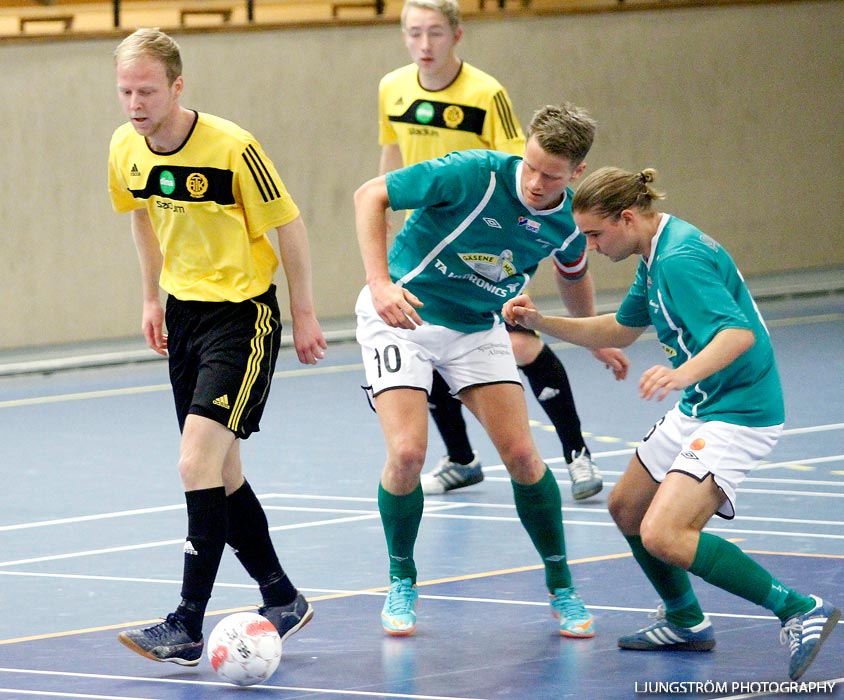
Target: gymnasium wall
point(739, 108)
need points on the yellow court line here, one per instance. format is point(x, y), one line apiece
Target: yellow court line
point(381, 589)
point(329, 596)
point(794, 554)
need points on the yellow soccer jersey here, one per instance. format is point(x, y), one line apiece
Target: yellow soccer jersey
point(473, 112)
point(211, 203)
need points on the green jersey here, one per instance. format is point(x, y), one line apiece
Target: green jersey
point(690, 289)
point(472, 243)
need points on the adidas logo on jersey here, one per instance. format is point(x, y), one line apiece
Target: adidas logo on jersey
point(134, 172)
point(189, 549)
point(399, 102)
point(222, 402)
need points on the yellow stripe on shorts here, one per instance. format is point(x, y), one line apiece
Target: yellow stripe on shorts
point(263, 328)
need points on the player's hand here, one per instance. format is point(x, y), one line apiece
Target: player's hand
point(613, 359)
point(658, 382)
point(152, 326)
point(521, 311)
point(396, 305)
point(308, 338)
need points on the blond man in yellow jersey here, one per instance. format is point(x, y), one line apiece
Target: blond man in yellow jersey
point(435, 105)
point(202, 195)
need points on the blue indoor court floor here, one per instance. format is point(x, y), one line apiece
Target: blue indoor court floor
point(93, 523)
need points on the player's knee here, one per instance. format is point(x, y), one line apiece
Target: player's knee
point(523, 463)
point(623, 512)
point(191, 471)
point(661, 541)
point(526, 347)
point(407, 456)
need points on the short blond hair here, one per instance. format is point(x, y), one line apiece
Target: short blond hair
point(563, 130)
point(151, 43)
point(448, 8)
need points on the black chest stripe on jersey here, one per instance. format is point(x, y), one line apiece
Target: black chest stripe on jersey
point(505, 114)
point(186, 184)
point(472, 121)
point(264, 181)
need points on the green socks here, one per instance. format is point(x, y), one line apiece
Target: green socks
point(540, 509)
point(400, 516)
point(723, 564)
point(672, 583)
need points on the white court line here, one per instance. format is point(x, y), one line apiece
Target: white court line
point(216, 684)
point(813, 429)
point(85, 518)
point(164, 543)
point(811, 460)
point(82, 696)
point(430, 512)
point(495, 467)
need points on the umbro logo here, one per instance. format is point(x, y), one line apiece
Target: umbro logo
point(134, 172)
point(222, 401)
point(189, 549)
point(492, 223)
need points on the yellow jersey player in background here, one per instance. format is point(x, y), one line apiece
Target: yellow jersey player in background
point(435, 105)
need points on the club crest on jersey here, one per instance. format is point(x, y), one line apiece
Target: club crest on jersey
point(529, 224)
point(493, 267)
point(453, 116)
point(197, 185)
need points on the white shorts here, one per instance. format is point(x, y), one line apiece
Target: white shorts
point(678, 443)
point(399, 358)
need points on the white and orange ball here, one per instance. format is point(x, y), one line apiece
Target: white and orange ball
point(244, 648)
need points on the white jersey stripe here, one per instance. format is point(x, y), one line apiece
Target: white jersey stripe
point(451, 236)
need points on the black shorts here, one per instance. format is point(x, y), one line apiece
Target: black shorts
point(516, 328)
point(222, 358)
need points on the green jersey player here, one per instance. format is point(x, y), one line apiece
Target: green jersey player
point(482, 222)
point(729, 416)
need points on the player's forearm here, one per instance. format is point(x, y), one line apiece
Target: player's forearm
point(371, 204)
point(295, 254)
point(149, 256)
point(577, 295)
point(591, 332)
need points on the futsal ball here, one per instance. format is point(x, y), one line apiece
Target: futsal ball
point(244, 648)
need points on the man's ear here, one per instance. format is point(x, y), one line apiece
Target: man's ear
point(578, 171)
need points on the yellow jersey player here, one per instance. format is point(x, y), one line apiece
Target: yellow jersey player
point(202, 195)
